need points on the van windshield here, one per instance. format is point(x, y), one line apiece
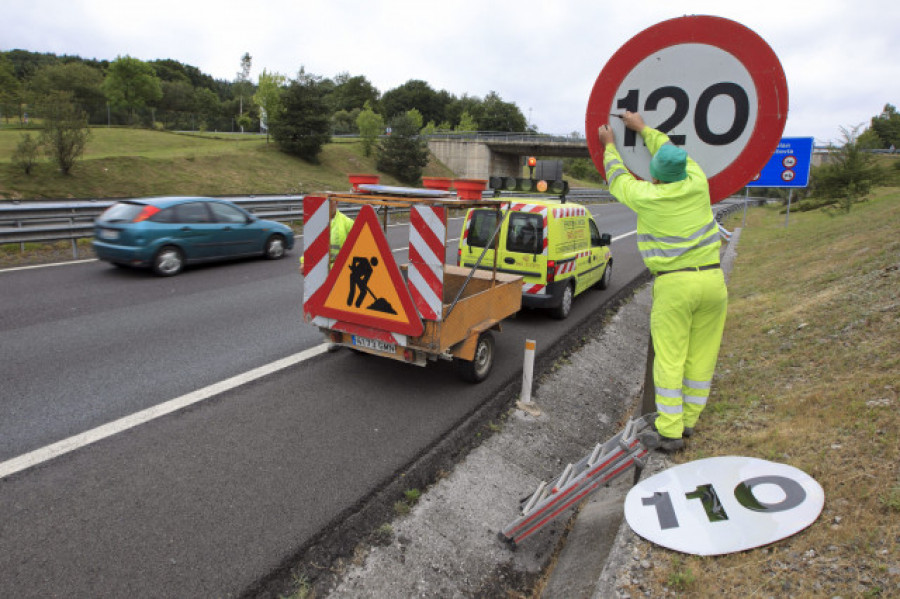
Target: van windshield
point(481, 227)
point(526, 233)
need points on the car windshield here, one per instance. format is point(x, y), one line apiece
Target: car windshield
point(122, 212)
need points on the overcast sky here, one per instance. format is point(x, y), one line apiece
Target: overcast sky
point(841, 57)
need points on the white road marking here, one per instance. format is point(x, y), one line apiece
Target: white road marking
point(38, 456)
point(47, 265)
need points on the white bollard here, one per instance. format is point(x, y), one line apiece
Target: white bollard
point(527, 372)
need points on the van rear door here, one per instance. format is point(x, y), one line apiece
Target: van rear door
point(479, 228)
point(523, 247)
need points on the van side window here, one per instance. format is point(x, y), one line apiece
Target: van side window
point(525, 234)
point(481, 227)
point(595, 234)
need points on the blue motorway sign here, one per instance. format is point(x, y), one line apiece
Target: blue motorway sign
point(788, 166)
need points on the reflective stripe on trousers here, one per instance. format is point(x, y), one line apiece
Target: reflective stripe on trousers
point(686, 323)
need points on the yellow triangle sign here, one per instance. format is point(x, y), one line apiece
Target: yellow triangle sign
point(365, 285)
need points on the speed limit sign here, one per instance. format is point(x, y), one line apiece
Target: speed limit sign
point(714, 86)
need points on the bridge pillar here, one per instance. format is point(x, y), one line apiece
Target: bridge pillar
point(470, 159)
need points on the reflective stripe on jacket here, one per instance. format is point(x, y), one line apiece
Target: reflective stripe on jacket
point(675, 224)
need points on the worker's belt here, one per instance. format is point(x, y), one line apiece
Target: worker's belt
point(689, 269)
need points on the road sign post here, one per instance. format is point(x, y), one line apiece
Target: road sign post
point(714, 86)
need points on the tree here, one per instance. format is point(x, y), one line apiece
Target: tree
point(132, 84)
point(887, 126)
point(242, 85)
point(65, 131)
point(500, 116)
point(403, 153)
point(370, 125)
point(82, 81)
point(352, 93)
point(268, 98)
point(846, 178)
point(419, 95)
point(26, 153)
point(10, 88)
point(207, 103)
point(305, 124)
point(466, 123)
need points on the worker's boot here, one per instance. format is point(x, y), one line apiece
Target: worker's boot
point(651, 439)
point(688, 431)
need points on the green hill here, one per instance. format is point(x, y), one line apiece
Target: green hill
point(121, 162)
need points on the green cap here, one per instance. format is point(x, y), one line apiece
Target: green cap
point(669, 164)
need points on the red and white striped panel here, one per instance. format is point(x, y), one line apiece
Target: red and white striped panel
point(569, 266)
point(534, 209)
point(316, 239)
point(427, 239)
point(569, 210)
point(534, 289)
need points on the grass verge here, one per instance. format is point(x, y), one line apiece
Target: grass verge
point(121, 162)
point(808, 376)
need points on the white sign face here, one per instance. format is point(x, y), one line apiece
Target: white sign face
point(709, 112)
point(723, 505)
point(714, 86)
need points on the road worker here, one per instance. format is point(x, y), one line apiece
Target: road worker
point(338, 229)
point(678, 239)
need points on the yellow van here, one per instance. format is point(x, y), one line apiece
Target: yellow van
point(556, 248)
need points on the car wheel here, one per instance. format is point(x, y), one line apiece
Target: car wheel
point(478, 369)
point(274, 247)
point(168, 262)
point(561, 312)
point(607, 275)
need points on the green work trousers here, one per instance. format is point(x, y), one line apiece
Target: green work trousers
point(686, 323)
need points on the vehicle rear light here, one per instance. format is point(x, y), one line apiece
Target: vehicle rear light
point(146, 213)
point(459, 257)
point(551, 271)
point(409, 355)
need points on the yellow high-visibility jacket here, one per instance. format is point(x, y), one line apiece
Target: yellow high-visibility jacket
point(675, 224)
point(339, 229)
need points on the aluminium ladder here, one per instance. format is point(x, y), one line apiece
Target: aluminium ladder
point(605, 463)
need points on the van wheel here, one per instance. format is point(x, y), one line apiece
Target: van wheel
point(168, 261)
point(561, 312)
point(607, 275)
point(478, 369)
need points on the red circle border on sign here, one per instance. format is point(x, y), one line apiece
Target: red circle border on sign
point(744, 44)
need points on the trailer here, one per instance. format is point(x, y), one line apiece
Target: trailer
point(420, 311)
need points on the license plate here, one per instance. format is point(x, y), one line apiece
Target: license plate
point(376, 344)
point(109, 234)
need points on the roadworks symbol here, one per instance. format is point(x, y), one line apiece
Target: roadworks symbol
point(365, 285)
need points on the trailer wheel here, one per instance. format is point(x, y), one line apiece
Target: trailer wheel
point(478, 369)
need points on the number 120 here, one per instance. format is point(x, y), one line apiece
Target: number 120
point(701, 113)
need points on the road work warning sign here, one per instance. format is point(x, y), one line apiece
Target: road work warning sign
point(365, 285)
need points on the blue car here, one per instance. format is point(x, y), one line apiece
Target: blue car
point(165, 234)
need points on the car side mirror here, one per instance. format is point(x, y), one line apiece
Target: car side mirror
point(605, 239)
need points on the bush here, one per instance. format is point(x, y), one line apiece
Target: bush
point(26, 153)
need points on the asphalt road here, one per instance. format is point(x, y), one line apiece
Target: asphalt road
point(211, 499)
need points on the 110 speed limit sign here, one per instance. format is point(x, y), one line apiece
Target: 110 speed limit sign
point(714, 86)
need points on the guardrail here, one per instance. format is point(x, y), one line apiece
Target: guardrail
point(63, 220)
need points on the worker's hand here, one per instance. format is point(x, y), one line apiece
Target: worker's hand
point(606, 135)
point(634, 121)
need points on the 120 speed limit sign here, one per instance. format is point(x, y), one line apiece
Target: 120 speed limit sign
point(714, 86)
